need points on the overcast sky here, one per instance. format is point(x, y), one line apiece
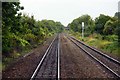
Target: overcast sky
point(67, 10)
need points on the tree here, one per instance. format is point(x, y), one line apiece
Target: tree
point(108, 28)
point(100, 22)
point(21, 31)
point(59, 27)
point(76, 24)
point(117, 30)
point(10, 24)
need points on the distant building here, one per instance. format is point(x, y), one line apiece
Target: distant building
point(66, 28)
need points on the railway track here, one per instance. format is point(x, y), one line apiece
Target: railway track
point(48, 66)
point(110, 64)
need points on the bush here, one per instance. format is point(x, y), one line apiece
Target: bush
point(111, 37)
point(98, 36)
point(30, 38)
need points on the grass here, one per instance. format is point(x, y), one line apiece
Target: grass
point(96, 41)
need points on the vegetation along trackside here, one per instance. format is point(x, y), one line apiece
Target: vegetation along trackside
point(102, 33)
point(21, 33)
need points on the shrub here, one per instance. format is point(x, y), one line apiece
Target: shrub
point(30, 38)
point(111, 37)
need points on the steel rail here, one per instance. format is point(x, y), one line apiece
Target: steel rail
point(58, 57)
point(105, 55)
point(117, 75)
point(41, 61)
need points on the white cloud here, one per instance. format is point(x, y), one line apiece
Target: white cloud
point(67, 10)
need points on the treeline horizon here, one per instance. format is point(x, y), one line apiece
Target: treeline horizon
point(103, 25)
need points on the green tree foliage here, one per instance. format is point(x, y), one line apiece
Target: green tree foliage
point(10, 25)
point(103, 25)
point(108, 27)
point(117, 24)
point(117, 30)
point(59, 26)
point(76, 25)
point(100, 22)
point(20, 32)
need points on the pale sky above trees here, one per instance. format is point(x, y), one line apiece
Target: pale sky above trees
point(67, 10)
